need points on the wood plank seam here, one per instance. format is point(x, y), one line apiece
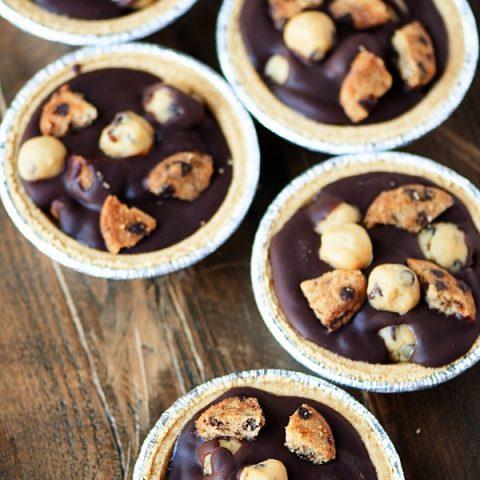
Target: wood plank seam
point(95, 377)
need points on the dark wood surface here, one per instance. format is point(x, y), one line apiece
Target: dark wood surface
point(88, 365)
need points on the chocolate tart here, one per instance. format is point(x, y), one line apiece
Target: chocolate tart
point(31, 17)
point(154, 63)
point(337, 355)
point(379, 457)
point(441, 99)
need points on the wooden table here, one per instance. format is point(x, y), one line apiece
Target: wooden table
point(88, 365)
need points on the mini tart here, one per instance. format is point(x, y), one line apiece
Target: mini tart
point(173, 68)
point(299, 193)
point(157, 449)
point(34, 19)
point(442, 99)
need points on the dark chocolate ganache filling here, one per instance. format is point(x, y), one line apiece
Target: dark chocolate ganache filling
point(294, 257)
point(85, 9)
point(113, 91)
point(314, 89)
point(352, 459)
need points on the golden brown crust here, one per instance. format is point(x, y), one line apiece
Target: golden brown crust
point(123, 227)
point(416, 54)
point(184, 175)
point(66, 111)
point(336, 296)
point(283, 10)
point(235, 417)
point(309, 436)
point(362, 14)
point(367, 80)
point(444, 292)
point(409, 207)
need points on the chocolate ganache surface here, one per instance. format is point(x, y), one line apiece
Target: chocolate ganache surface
point(294, 257)
point(352, 460)
point(313, 89)
point(112, 91)
point(84, 9)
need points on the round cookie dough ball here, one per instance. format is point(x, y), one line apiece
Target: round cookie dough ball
point(40, 158)
point(277, 69)
point(266, 470)
point(310, 35)
point(346, 246)
point(393, 288)
point(444, 244)
point(342, 213)
point(128, 135)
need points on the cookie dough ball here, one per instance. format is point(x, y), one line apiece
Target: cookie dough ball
point(400, 342)
point(310, 35)
point(40, 158)
point(346, 246)
point(277, 69)
point(267, 470)
point(393, 288)
point(444, 244)
point(128, 135)
point(341, 214)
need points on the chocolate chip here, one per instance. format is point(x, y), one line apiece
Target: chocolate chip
point(441, 286)
point(250, 424)
point(62, 109)
point(347, 19)
point(375, 292)
point(422, 218)
point(137, 228)
point(186, 168)
point(368, 103)
point(304, 413)
point(412, 193)
point(347, 293)
point(214, 422)
point(463, 286)
point(422, 40)
point(167, 191)
point(437, 273)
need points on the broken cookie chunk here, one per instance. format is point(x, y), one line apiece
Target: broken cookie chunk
point(283, 10)
point(400, 342)
point(236, 417)
point(335, 297)
point(123, 227)
point(66, 111)
point(184, 175)
point(410, 207)
point(443, 292)
point(367, 80)
point(362, 14)
point(309, 436)
point(416, 55)
point(127, 135)
point(170, 106)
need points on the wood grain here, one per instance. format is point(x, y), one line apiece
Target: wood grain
point(87, 365)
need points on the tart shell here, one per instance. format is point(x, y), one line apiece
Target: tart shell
point(174, 68)
point(300, 192)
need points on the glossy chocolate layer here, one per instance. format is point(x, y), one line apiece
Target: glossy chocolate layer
point(112, 91)
point(314, 89)
point(294, 258)
point(84, 9)
point(352, 459)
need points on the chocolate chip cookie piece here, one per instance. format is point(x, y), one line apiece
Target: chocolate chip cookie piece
point(184, 175)
point(443, 292)
point(336, 296)
point(416, 54)
point(123, 227)
point(236, 417)
point(367, 80)
point(410, 207)
point(283, 10)
point(309, 436)
point(362, 14)
point(66, 111)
